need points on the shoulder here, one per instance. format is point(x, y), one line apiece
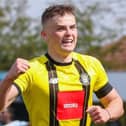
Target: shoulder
point(85, 58)
point(38, 61)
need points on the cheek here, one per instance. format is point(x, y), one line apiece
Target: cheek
point(58, 35)
point(75, 33)
point(55, 37)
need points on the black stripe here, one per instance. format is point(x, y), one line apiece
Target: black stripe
point(84, 119)
point(104, 90)
point(86, 88)
point(53, 94)
point(79, 67)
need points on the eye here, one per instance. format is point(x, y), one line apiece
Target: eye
point(60, 28)
point(73, 27)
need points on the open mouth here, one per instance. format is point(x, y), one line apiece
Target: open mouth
point(67, 41)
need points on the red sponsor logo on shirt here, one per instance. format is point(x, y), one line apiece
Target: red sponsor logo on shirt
point(70, 105)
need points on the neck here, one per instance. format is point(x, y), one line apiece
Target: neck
point(66, 58)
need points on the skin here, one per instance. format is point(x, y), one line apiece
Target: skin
point(6, 116)
point(60, 34)
point(101, 115)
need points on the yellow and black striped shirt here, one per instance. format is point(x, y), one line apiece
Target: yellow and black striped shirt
point(34, 86)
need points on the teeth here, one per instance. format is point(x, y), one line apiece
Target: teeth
point(67, 40)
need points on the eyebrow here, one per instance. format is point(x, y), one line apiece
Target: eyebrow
point(65, 25)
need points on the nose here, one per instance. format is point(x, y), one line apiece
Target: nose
point(68, 32)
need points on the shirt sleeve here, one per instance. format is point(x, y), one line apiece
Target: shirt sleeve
point(102, 86)
point(24, 81)
point(104, 90)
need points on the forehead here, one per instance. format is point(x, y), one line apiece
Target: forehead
point(67, 19)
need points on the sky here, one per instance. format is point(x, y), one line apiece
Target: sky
point(38, 5)
point(35, 7)
point(118, 8)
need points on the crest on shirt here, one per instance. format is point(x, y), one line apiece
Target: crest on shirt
point(53, 80)
point(85, 79)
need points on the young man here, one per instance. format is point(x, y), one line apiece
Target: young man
point(57, 87)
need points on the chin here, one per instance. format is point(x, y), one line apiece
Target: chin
point(68, 49)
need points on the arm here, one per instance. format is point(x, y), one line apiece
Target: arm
point(113, 108)
point(8, 92)
point(113, 104)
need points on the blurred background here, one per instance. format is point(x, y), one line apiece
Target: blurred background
point(102, 33)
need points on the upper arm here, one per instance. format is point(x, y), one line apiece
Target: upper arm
point(113, 95)
point(12, 95)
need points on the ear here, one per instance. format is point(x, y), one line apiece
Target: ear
point(43, 34)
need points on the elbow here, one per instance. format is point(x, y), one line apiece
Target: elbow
point(122, 111)
point(2, 107)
